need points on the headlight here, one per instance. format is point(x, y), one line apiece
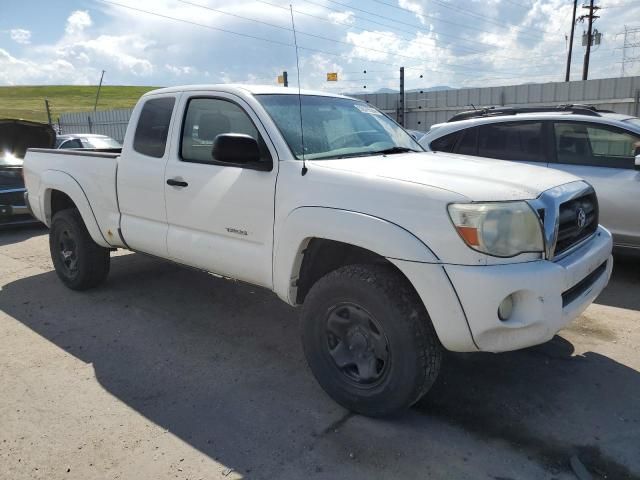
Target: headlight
point(501, 229)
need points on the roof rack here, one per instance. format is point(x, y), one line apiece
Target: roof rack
point(589, 110)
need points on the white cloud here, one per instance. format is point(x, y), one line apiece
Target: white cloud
point(342, 17)
point(415, 7)
point(373, 45)
point(77, 22)
point(14, 71)
point(20, 35)
point(514, 45)
point(124, 52)
point(180, 70)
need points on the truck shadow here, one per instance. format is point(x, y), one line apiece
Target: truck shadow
point(219, 364)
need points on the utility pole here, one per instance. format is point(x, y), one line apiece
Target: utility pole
point(46, 104)
point(630, 52)
point(401, 100)
point(591, 17)
point(95, 105)
point(573, 26)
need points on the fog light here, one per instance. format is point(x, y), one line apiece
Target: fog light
point(506, 308)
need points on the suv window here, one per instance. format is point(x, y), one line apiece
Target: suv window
point(206, 118)
point(446, 143)
point(153, 127)
point(512, 141)
point(468, 144)
point(595, 145)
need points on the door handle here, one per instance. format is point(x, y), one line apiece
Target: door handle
point(177, 183)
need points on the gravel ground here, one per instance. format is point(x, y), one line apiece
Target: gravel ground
point(166, 372)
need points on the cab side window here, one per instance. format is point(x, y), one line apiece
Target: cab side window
point(595, 145)
point(153, 127)
point(512, 141)
point(206, 118)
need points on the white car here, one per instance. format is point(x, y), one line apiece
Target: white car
point(600, 146)
point(393, 253)
point(86, 140)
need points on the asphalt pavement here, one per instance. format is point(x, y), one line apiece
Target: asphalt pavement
point(165, 372)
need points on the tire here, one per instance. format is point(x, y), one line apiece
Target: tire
point(79, 261)
point(373, 310)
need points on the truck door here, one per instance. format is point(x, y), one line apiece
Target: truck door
point(220, 216)
point(140, 178)
point(604, 156)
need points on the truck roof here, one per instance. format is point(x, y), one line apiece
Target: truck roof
point(253, 89)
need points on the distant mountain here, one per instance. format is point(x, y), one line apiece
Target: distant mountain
point(431, 89)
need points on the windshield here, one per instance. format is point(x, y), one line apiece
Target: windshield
point(336, 127)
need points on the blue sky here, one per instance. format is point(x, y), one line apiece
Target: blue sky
point(441, 42)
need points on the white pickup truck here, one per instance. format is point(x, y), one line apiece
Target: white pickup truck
point(394, 253)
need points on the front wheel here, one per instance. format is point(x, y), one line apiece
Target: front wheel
point(368, 339)
point(79, 261)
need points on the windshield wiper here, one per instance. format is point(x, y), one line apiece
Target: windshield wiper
point(388, 151)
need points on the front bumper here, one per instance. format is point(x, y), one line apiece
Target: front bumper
point(547, 295)
point(14, 208)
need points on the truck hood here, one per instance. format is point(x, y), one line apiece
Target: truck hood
point(18, 135)
point(479, 179)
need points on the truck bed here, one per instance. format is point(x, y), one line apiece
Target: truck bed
point(93, 170)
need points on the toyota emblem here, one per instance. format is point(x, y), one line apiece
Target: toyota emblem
point(581, 218)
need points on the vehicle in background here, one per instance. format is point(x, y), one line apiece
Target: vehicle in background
point(16, 136)
point(416, 134)
point(600, 146)
point(393, 253)
point(87, 140)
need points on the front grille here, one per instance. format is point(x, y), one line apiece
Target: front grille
point(583, 285)
point(12, 198)
point(11, 178)
point(570, 231)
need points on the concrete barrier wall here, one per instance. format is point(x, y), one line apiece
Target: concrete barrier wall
point(424, 109)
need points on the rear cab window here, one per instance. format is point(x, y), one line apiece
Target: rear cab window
point(153, 127)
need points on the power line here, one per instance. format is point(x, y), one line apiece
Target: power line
point(625, 4)
point(412, 25)
point(417, 27)
point(528, 7)
point(276, 42)
point(328, 39)
point(223, 30)
point(462, 11)
point(471, 27)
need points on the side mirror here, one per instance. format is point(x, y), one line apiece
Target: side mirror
point(235, 148)
point(637, 162)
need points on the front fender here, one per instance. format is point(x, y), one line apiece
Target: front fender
point(56, 180)
point(371, 233)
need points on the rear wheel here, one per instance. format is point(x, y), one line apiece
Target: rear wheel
point(368, 339)
point(79, 261)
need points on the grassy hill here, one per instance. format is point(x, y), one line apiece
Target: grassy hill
point(28, 102)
